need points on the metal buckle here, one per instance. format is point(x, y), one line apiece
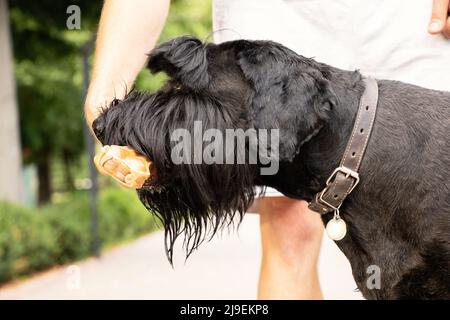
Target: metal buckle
point(348, 173)
point(322, 200)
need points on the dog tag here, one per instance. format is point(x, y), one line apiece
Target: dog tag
point(336, 228)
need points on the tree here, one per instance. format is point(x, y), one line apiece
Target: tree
point(48, 71)
point(49, 82)
point(11, 182)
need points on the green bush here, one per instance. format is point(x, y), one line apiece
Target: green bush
point(70, 225)
point(26, 241)
point(36, 239)
point(121, 215)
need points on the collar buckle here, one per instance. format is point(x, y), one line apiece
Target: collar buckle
point(348, 173)
point(345, 178)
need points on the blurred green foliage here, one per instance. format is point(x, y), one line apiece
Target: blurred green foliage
point(48, 75)
point(48, 71)
point(36, 239)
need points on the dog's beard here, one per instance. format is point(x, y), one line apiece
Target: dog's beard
point(192, 199)
point(200, 202)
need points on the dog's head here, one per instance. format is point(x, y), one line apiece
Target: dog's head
point(239, 86)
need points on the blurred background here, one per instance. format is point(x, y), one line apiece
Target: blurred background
point(64, 231)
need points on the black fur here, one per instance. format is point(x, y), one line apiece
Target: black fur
point(398, 217)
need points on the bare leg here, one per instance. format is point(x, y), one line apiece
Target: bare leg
point(291, 236)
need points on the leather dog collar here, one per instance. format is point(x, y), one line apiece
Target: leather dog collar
point(345, 178)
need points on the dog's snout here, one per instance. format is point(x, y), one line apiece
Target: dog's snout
point(98, 126)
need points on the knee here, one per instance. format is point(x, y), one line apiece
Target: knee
point(290, 221)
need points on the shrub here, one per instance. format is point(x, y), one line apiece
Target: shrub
point(70, 225)
point(26, 241)
point(122, 216)
point(35, 239)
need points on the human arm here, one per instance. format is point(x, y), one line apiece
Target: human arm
point(128, 30)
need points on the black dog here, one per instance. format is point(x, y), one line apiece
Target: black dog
point(398, 217)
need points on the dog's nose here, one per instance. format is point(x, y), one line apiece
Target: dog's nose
point(98, 126)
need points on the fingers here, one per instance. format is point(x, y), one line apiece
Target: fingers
point(446, 31)
point(89, 115)
point(92, 111)
point(439, 17)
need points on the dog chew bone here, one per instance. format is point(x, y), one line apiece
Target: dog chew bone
point(124, 164)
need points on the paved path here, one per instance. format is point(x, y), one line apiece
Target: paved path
point(225, 268)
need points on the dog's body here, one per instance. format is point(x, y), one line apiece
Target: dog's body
point(399, 215)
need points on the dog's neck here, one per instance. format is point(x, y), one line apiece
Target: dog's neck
point(318, 157)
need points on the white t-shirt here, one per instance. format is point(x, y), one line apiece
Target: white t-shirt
point(386, 39)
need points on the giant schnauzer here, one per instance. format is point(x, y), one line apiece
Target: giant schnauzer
point(398, 216)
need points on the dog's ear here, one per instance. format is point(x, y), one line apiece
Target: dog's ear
point(325, 99)
point(184, 59)
point(291, 94)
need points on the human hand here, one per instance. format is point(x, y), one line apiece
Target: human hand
point(440, 19)
point(92, 110)
point(100, 96)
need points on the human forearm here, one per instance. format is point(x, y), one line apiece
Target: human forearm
point(128, 30)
